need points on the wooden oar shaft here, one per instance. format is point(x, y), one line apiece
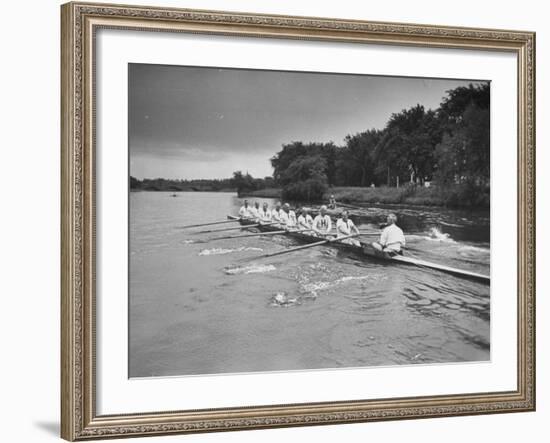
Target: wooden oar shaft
point(228, 229)
point(253, 225)
point(210, 223)
point(309, 245)
point(258, 234)
point(253, 234)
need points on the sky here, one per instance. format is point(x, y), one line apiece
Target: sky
point(194, 122)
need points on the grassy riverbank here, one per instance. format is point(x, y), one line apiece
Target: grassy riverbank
point(455, 196)
point(385, 195)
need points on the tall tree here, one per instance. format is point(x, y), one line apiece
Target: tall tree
point(292, 151)
point(356, 159)
point(243, 182)
point(305, 179)
point(464, 153)
point(407, 147)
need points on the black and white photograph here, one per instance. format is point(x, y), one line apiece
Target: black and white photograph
point(292, 221)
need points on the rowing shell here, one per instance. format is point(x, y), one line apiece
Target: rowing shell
point(367, 250)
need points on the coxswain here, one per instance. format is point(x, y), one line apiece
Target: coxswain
point(392, 239)
point(345, 227)
point(322, 224)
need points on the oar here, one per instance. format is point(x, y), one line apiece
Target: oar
point(211, 223)
point(233, 229)
point(310, 245)
point(253, 234)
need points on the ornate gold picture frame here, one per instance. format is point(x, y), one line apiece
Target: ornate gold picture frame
point(80, 22)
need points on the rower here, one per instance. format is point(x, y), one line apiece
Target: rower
point(332, 202)
point(276, 212)
point(392, 238)
point(264, 214)
point(255, 210)
point(246, 210)
point(289, 216)
point(346, 227)
point(304, 219)
point(322, 224)
point(283, 217)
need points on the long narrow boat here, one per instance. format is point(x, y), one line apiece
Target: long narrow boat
point(366, 250)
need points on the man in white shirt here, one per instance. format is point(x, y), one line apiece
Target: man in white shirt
point(304, 220)
point(265, 214)
point(322, 224)
point(289, 215)
point(246, 210)
point(276, 213)
point(283, 218)
point(345, 227)
point(255, 210)
point(392, 238)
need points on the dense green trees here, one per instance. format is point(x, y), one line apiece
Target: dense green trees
point(305, 178)
point(162, 184)
point(242, 183)
point(449, 145)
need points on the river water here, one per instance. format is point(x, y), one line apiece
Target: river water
point(197, 308)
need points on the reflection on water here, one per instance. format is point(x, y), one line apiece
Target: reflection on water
point(197, 308)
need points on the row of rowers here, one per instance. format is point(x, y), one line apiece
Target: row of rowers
point(284, 216)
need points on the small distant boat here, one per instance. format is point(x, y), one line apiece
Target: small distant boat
point(365, 250)
point(174, 195)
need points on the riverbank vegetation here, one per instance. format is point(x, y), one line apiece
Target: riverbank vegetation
point(447, 148)
point(451, 196)
point(238, 183)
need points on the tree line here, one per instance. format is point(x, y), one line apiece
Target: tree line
point(448, 146)
point(239, 182)
point(163, 184)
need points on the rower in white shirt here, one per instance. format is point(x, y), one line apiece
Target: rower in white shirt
point(322, 224)
point(246, 210)
point(265, 214)
point(391, 239)
point(255, 210)
point(283, 218)
point(345, 227)
point(305, 221)
point(289, 215)
point(276, 213)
